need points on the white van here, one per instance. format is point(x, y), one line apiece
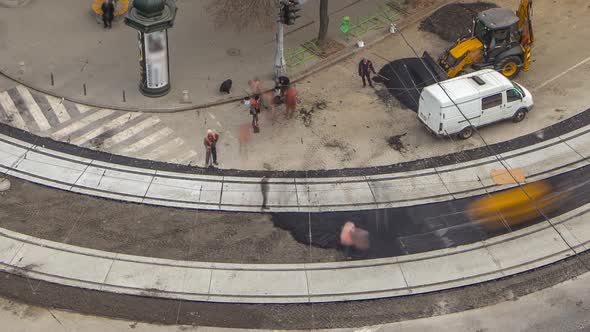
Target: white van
point(483, 97)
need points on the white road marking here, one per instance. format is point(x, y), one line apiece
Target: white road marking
point(563, 73)
point(62, 133)
point(218, 124)
point(33, 108)
point(130, 132)
point(12, 111)
point(83, 108)
point(160, 134)
point(187, 159)
point(164, 149)
point(211, 115)
point(117, 122)
point(58, 108)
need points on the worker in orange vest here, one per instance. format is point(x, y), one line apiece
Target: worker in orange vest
point(291, 101)
point(254, 111)
point(210, 143)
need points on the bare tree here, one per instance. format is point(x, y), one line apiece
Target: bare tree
point(324, 22)
point(258, 14)
point(244, 14)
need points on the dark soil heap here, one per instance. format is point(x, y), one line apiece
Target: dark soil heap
point(453, 21)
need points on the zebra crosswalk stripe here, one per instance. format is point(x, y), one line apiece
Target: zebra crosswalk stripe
point(117, 122)
point(163, 149)
point(186, 159)
point(33, 108)
point(130, 132)
point(133, 134)
point(137, 146)
point(59, 109)
point(12, 111)
point(83, 108)
point(63, 133)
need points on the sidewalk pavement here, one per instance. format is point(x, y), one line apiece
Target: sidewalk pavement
point(64, 39)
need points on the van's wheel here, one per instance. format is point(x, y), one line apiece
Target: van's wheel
point(509, 66)
point(519, 115)
point(466, 133)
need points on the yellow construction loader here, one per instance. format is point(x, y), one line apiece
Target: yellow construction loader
point(499, 39)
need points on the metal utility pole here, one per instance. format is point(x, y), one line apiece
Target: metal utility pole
point(280, 68)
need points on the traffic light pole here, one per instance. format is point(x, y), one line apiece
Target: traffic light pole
point(280, 68)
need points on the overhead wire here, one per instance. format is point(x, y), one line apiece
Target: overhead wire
point(498, 157)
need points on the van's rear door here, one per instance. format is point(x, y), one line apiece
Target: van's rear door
point(429, 111)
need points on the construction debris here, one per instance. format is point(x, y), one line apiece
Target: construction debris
point(395, 142)
point(453, 21)
point(4, 185)
point(307, 114)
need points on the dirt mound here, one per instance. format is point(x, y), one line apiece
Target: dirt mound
point(453, 21)
point(405, 79)
point(395, 142)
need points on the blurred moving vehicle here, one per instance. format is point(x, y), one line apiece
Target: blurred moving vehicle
point(500, 39)
point(515, 206)
point(461, 104)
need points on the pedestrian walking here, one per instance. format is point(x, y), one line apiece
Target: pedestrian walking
point(365, 69)
point(210, 142)
point(291, 101)
point(108, 13)
point(254, 111)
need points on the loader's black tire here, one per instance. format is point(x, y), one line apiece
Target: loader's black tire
point(509, 66)
point(466, 132)
point(519, 115)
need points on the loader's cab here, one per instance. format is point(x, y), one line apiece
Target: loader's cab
point(497, 29)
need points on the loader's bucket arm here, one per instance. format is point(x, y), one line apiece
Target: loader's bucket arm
point(525, 25)
point(434, 67)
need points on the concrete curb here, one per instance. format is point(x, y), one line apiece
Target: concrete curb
point(326, 63)
point(499, 257)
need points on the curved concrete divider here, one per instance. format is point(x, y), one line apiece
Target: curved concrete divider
point(232, 193)
point(498, 257)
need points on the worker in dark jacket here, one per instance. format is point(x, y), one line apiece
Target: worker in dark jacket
point(108, 13)
point(365, 69)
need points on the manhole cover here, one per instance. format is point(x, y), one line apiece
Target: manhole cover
point(233, 51)
point(4, 184)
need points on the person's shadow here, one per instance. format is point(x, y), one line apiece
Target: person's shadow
point(264, 190)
